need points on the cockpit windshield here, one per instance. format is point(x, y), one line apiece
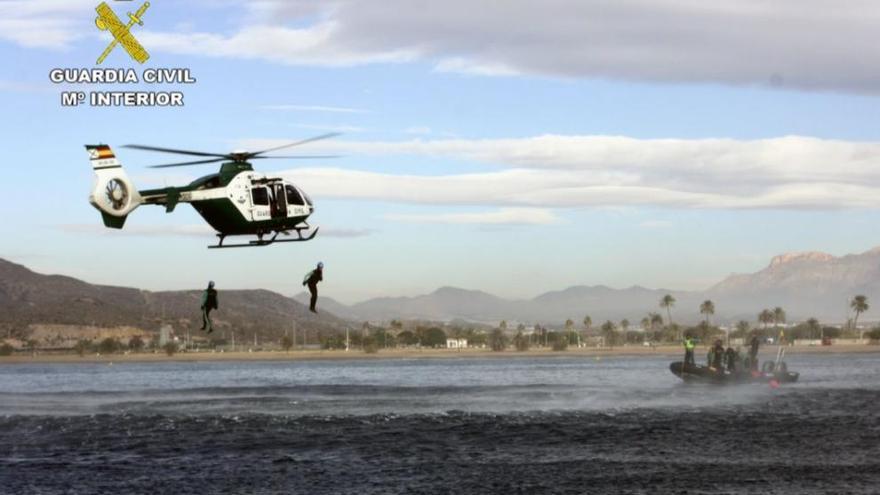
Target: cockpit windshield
point(293, 196)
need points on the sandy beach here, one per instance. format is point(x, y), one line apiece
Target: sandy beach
point(357, 354)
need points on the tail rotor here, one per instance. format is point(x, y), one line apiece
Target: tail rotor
point(113, 194)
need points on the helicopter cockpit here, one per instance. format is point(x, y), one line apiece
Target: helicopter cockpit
point(278, 197)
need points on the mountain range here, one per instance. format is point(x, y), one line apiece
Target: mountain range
point(809, 284)
point(28, 298)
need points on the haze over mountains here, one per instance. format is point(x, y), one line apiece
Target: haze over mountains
point(805, 284)
point(809, 284)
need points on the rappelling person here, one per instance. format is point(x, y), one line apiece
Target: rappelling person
point(689, 345)
point(209, 302)
point(311, 279)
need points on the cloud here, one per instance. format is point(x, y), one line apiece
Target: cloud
point(419, 129)
point(341, 233)
point(53, 24)
point(313, 108)
point(802, 44)
point(195, 230)
point(605, 171)
point(787, 43)
point(343, 128)
point(141, 230)
point(503, 216)
point(655, 224)
point(26, 87)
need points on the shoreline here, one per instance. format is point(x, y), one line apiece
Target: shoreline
point(392, 354)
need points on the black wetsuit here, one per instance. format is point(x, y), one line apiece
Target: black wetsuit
point(209, 302)
point(316, 276)
point(753, 352)
point(730, 357)
point(718, 357)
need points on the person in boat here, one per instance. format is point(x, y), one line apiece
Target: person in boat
point(689, 346)
point(730, 359)
point(754, 344)
point(716, 356)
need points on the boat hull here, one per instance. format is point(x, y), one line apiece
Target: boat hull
point(704, 374)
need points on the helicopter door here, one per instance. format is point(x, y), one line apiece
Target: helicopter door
point(261, 203)
point(279, 201)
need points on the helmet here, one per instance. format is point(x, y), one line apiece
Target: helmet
point(211, 284)
point(320, 264)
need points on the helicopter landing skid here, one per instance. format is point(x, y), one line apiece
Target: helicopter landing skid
point(266, 242)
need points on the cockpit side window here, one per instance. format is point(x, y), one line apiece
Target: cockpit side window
point(293, 196)
point(260, 196)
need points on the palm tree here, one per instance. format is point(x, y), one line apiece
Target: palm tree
point(397, 326)
point(778, 315)
point(624, 326)
point(569, 329)
point(859, 304)
point(707, 308)
point(765, 317)
point(608, 331)
point(742, 326)
point(813, 325)
point(656, 320)
point(668, 302)
point(588, 323)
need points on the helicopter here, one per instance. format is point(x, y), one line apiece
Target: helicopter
point(235, 201)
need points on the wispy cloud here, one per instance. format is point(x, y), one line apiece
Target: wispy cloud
point(140, 230)
point(655, 224)
point(503, 216)
point(313, 108)
point(786, 43)
point(53, 24)
point(343, 128)
point(26, 87)
point(608, 171)
point(419, 130)
point(343, 233)
point(195, 230)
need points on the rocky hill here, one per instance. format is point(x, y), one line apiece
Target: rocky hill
point(28, 298)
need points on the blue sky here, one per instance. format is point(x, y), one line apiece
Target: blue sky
point(498, 147)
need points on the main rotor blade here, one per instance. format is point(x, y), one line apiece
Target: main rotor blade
point(184, 164)
point(297, 157)
point(297, 143)
point(171, 150)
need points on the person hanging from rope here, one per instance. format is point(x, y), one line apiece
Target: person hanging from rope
point(311, 279)
point(209, 302)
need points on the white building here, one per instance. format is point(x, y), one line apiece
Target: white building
point(456, 343)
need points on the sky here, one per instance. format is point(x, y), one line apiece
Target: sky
point(514, 147)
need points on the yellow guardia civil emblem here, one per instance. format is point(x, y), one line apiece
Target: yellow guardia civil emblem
point(107, 21)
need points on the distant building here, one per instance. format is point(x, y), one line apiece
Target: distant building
point(456, 343)
point(166, 333)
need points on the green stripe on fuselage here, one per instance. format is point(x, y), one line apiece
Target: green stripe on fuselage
point(225, 218)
